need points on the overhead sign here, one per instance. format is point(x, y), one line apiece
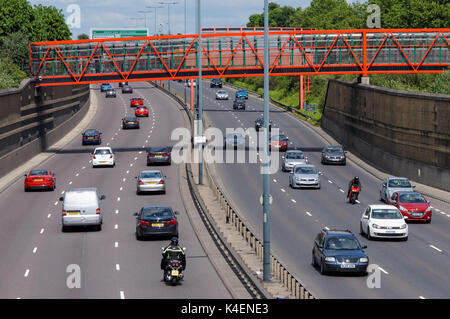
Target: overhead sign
point(107, 33)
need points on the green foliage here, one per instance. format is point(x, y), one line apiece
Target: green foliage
point(83, 36)
point(10, 74)
point(15, 16)
point(15, 47)
point(49, 24)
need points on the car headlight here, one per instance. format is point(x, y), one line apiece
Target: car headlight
point(403, 226)
point(330, 259)
point(428, 209)
point(363, 260)
point(403, 209)
point(375, 226)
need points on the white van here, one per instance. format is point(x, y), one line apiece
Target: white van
point(81, 207)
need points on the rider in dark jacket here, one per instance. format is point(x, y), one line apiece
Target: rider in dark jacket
point(173, 251)
point(355, 181)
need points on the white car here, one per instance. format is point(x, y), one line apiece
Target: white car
point(221, 95)
point(383, 221)
point(103, 156)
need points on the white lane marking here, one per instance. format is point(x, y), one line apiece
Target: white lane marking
point(56, 203)
point(123, 180)
point(131, 165)
point(128, 172)
point(107, 144)
point(283, 190)
point(342, 191)
point(42, 230)
point(326, 228)
point(140, 152)
point(117, 211)
point(62, 192)
point(122, 295)
point(274, 180)
point(308, 213)
point(70, 183)
point(121, 188)
point(135, 158)
point(77, 174)
point(330, 182)
point(116, 226)
point(421, 297)
point(116, 244)
point(49, 215)
point(27, 272)
point(117, 267)
point(118, 199)
point(83, 167)
point(434, 247)
point(383, 270)
point(34, 250)
point(293, 200)
point(443, 213)
point(358, 201)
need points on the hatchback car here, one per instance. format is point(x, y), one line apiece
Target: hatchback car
point(141, 111)
point(239, 104)
point(130, 122)
point(126, 89)
point(242, 94)
point(333, 155)
point(339, 251)
point(394, 184)
point(292, 158)
point(234, 141)
point(105, 86)
point(412, 205)
point(159, 155)
point(103, 156)
point(151, 181)
point(156, 221)
point(279, 142)
point(110, 93)
point(91, 136)
point(39, 179)
point(259, 123)
point(304, 175)
point(216, 83)
point(222, 95)
point(136, 101)
point(383, 221)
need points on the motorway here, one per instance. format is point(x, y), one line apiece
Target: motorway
point(417, 268)
point(36, 257)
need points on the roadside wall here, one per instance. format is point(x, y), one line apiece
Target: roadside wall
point(402, 133)
point(32, 119)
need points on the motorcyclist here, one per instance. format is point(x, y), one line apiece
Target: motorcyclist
point(356, 182)
point(173, 251)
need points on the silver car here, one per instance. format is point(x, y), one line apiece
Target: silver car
point(390, 185)
point(292, 158)
point(304, 175)
point(151, 181)
point(221, 95)
point(110, 93)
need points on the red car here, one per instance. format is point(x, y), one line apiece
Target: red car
point(136, 101)
point(39, 179)
point(412, 205)
point(279, 142)
point(141, 111)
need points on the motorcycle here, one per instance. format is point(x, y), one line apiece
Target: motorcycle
point(173, 272)
point(354, 192)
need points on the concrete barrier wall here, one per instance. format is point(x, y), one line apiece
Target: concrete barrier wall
point(402, 133)
point(32, 119)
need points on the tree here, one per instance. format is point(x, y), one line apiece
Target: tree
point(83, 36)
point(15, 47)
point(49, 24)
point(15, 16)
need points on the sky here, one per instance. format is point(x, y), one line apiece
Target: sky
point(124, 14)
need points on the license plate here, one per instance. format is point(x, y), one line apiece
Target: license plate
point(103, 162)
point(175, 273)
point(39, 180)
point(347, 266)
point(158, 156)
point(390, 231)
point(73, 213)
point(157, 225)
point(151, 183)
point(90, 138)
point(130, 122)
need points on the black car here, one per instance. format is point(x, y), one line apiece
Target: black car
point(259, 123)
point(121, 84)
point(91, 136)
point(126, 89)
point(159, 155)
point(216, 83)
point(239, 104)
point(156, 221)
point(130, 121)
point(333, 155)
point(339, 251)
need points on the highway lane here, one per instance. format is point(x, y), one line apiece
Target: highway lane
point(35, 254)
point(409, 269)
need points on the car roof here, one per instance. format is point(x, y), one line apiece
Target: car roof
point(103, 148)
point(158, 148)
point(381, 206)
point(305, 165)
point(338, 232)
point(393, 177)
point(130, 117)
point(91, 130)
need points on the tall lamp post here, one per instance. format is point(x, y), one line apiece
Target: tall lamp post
point(199, 94)
point(168, 13)
point(153, 7)
point(145, 16)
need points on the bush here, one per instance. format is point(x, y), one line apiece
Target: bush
point(10, 74)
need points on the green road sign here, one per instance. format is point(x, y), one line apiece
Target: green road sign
point(118, 33)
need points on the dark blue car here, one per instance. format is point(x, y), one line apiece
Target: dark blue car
point(339, 251)
point(241, 94)
point(91, 136)
point(105, 86)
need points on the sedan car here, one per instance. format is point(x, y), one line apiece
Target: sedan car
point(216, 83)
point(292, 158)
point(130, 122)
point(333, 155)
point(394, 184)
point(304, 175)
point(383, 221)
point(141, 111)
point(259, 123)
point(242, 94)
point(110, 93)
point(39, 179)
point(105, 86)
point(234, 141)
point(221, 95)
point(339, 251)
point(412, 205)
point(91, 136)
point(156, 221)
point(126, 89)
point(151, 181)
point(159, 155)
point(136, 101)
point(279, 142)
point(239, 104)
point(103, 156)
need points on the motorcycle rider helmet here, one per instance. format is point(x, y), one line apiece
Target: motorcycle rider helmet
point(356, 179)
point(174, 241)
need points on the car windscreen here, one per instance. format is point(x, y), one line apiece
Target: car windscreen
point(221, 92)
point(130, 118)
point(333, 150)
point(305, 170)
point(399, 183)
point(91, 132)
point(386, 214)
point(102, 152)
point(38, 172)
point(412, 198)
point(150, 175)
point(295, 155)
point(341, 243)
point(151, 212)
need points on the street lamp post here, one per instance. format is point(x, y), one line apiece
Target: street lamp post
point(152, 7)
point(199, 94)
point(168, 13)
point(145, 16)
